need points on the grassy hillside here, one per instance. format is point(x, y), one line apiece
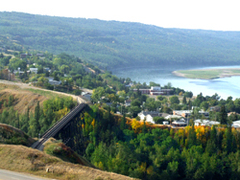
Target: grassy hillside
point(11, 135)
point(23, 159)
point(111, 43)
point(24, 97)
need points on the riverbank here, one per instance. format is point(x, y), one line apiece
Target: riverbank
point(208, 73)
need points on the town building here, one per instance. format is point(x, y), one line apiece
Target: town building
point(155, 90)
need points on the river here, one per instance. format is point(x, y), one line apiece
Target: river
point(224, 87)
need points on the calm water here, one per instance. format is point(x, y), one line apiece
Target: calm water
point(224, 87)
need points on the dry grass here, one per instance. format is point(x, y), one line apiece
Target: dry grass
point(24, 98)
point(12, 135)
point(22, 159)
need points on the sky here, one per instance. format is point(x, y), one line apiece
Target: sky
point(220, 15)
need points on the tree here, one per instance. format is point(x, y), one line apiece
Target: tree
point(204, 105)
point(184, 101)
point(97, 94)
point(158, 119)
point(34, 127)
point(174, 100)
point(223, 115)
point(160, 98)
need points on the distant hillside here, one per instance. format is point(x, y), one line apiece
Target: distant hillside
point(111, 43)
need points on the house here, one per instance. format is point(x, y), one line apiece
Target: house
point(46, 69)
point(18, 71)
point(215, 108)
point(34, 70)
point(165, 122)
point(187, 113)
point(236, 124)
point(53, 82)
point(149, 115)
point(179, 123)
point(183, 113)
point(128, 102)
point(86, 95)
point(129, 85)
point(205, 122)
point(232, 113)
point(173, 117)
point(155, 90)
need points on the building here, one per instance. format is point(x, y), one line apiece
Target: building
point(187, 113)
point(86, 95)
point(34, 70)
point(173, 117)
point(236, 124)
point(53, 82)
point(179, 123)
point(205, 122)
point(128, 102)
point(155, 90)
point(149, 115)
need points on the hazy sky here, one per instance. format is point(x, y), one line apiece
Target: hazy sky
point(189, 14)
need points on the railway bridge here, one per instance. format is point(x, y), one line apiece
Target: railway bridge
point(66, 129)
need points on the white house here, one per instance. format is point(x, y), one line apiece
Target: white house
point(179, 123)
point(149, 115)
point(205, 122)
point(34, 70)
point(236, 124)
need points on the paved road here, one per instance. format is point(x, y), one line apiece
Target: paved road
point(10, 175)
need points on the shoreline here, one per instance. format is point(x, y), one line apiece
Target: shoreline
point(220, 73)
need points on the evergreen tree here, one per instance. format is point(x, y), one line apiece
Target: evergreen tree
point(223, 115)
point(34, 128)
point(25, 122)
point(184, 100)
point(192, 138)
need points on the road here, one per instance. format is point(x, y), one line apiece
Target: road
point(9, 175)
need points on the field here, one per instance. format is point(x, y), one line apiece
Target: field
point(208, 73)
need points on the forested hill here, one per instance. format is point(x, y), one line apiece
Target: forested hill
point(112, 43)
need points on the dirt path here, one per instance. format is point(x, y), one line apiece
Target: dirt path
point(29, 86)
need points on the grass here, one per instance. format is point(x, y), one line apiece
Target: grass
point(208, 73)
point(44, 93)
point(11, 135)
point(60, 150)
point(23, 159)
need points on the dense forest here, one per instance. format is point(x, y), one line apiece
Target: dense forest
point(111, 43)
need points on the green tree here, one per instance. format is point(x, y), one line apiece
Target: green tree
point(223, 115)
point(174, 100)
point(184, 101)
